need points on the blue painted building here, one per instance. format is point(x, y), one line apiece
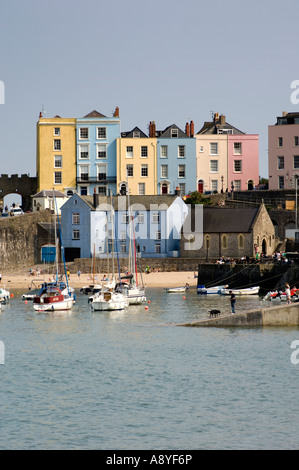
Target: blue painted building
point(96, 136)
point(176, 160)
point(100, 225)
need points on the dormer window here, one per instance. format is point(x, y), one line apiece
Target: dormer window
point(174, 133)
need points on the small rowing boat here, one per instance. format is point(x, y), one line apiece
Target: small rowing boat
point(173, 290)
point(246, 291)
point(210, 290)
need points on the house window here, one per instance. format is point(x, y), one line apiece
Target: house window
point(214, 185)
point(214, 166)
point(102, 190)
point(58, 161)
point(123, 248)
point(237, 148)
point(122, 235)
point(296, 162)
point(296, 141)
point(143, 152)
point(182, 171)
point(182, 187)
point(83, 151)
point(181, 151)
point(57, 177)
point(280, 141)
point(280, 163)
point(125, 219)
point(102, 172)
point(101, 151)
point(57, 144)
point(140, 219)
point(56, 130)
point(83, 191)
point(237, 166)
point(130, 171)
point(164, 171)
point(224, 242)
point(213, 148)
point(136, 134)
point(281, 182)
point(141, 189)
point(174, 133)
point(164, 151)
point(84, 172)
point(156, 217)
point(158, 248)
point(158, 235)
point(76, 218)
point(83, 133)
point(237, 185)
point(101, 132)
point(129, 151)
point(76, 234)
point(241, 241)
point(144, 170)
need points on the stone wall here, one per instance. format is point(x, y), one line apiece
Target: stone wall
point(19, 246)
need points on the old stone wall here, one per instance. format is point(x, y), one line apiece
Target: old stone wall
point(19, 240)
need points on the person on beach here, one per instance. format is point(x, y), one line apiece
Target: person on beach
point(232, 301)
point(288, 293)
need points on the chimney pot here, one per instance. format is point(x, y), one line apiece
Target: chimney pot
point(222, 119)
point(191, 129)
point(216, 117)
point(187, 129)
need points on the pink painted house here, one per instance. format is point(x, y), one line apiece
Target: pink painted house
point(243, 161)
point(283, 144)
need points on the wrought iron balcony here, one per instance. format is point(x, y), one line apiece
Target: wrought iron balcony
point(101, 179)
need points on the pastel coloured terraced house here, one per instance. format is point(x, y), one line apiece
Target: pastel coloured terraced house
point(176, 159)
point(283, 144)
point(96, 153)
point(136, 163)
point(227, 158)
point(56, 154)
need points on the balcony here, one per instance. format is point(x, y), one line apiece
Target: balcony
point(102, 179)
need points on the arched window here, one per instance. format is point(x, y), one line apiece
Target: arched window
point(241, 241)
point(224, 242)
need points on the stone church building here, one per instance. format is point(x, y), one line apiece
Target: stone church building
point(229, 233)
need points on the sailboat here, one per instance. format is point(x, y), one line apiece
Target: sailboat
point(55, 295)
point(108, 298)
point(134, 292)
point(93, 288)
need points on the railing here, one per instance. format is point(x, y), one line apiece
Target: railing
point(95, 179)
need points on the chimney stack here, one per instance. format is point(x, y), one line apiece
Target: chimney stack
point(152, 129)
point(222, 119)
point(95, 198)
point(116, 112)
point(216, 117)
point(191, 129)
point(187, 129)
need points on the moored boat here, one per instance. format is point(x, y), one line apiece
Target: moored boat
point(210, 290)
point(4, 295)
point(246, 291)
point(52, 298)
point(108, 299)
point(172, 290)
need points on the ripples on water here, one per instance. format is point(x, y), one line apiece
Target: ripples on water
point(135, 380)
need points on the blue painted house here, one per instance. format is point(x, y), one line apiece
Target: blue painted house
point(176, 160)
point(96, 136)
point(100, 225)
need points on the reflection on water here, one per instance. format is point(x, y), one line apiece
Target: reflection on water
point(132, 380)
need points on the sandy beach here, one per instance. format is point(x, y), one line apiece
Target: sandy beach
point(20, 279)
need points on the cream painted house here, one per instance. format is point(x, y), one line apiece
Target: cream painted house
point(44, 200)
point(136, 163)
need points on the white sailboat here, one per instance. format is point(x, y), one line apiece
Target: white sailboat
point(107, 298)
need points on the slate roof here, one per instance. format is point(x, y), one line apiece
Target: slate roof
point(213, 127)
point(130, 133)
point(49, 193)
point(226, 219)
point(122, 201)
point(167, 132)
point(94, 114)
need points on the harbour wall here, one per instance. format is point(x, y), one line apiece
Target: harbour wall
point(281, 316)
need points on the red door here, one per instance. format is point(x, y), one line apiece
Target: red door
point(200, 186)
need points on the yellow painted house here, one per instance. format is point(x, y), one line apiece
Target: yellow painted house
point(136, 163)
point(56, 154)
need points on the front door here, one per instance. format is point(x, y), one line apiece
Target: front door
point(200, 186)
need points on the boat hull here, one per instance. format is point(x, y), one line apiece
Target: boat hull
point(210, 290)
point(248, 291)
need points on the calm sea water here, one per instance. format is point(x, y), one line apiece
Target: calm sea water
point(135, 380)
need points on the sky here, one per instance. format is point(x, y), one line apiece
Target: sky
point(166, 61)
